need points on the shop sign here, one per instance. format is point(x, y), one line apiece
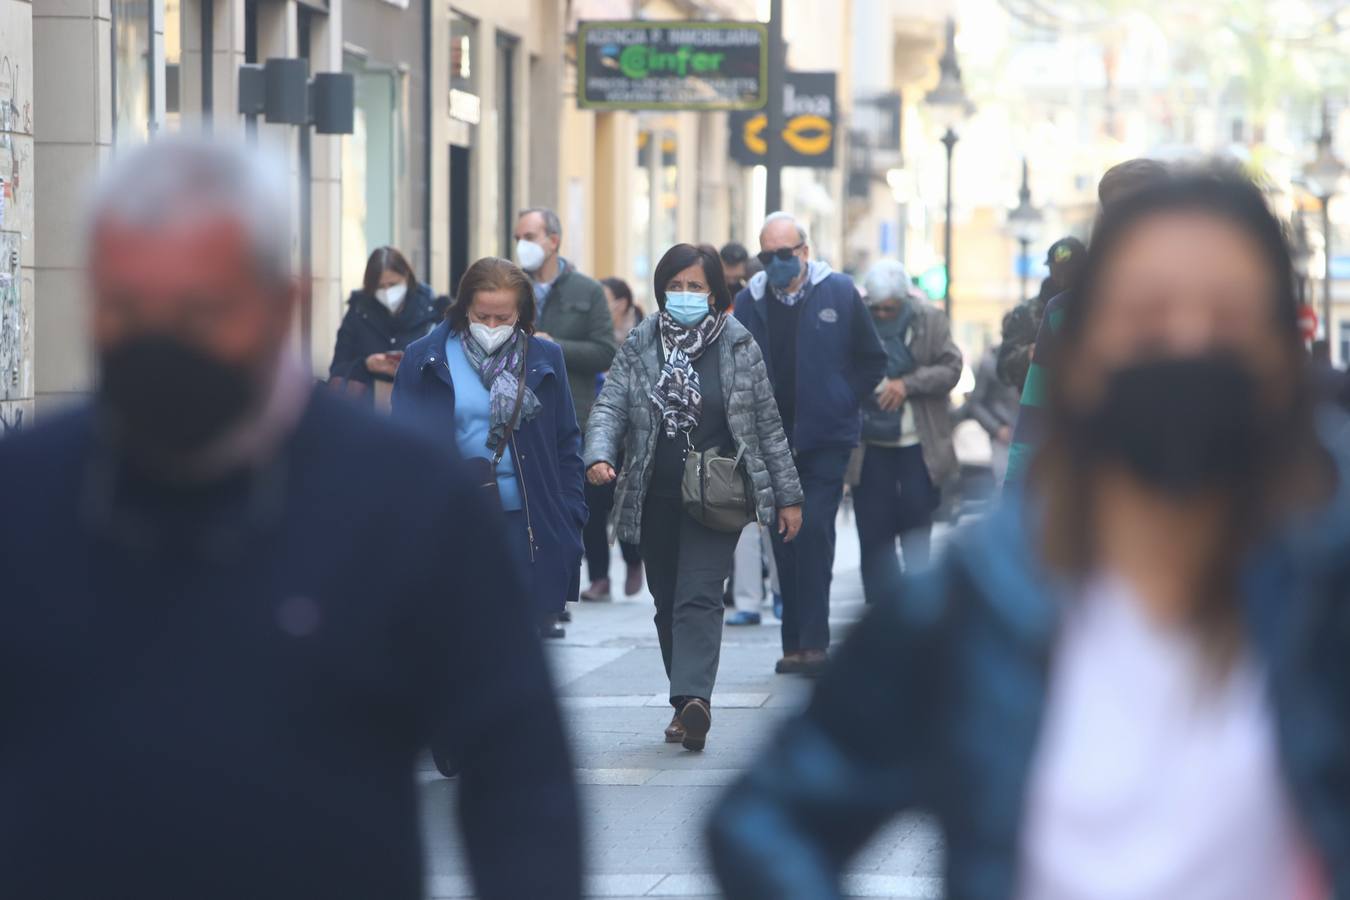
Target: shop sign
point(465, 106)
point(810, 119)
point(672, 65)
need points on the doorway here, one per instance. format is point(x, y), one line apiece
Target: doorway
point(460, 158)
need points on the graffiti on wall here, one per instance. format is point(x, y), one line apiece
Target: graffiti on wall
point(11, 419)
point(12, 323)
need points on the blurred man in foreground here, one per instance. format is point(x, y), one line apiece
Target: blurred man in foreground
point(227, 631)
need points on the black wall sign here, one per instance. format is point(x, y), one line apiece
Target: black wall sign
point(672, 65)
point(811, 116)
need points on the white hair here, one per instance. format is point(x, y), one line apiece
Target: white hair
point(781, 216)
point(887, 280)
point(173, 181)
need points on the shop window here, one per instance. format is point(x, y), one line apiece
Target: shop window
point(506, 140)
point(133, 85)
point(173, 65)
point(370, 169)
point(656, 198)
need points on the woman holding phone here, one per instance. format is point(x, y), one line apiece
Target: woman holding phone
point(390, 311)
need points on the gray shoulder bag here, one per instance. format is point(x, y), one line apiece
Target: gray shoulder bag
point(713, 490)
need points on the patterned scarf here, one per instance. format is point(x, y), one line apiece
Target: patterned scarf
point(677, 396)
point(499, 373)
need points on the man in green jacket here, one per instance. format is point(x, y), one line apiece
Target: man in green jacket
point(570, 308)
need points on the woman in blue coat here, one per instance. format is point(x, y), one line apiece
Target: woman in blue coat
point(463, 380)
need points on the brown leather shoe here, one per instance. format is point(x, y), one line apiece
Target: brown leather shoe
point(633, 583)
point(696, 718)
point(813, 662)
point(803, 662)
point(675, 731)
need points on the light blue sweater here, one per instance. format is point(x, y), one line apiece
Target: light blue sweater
point(471, 420)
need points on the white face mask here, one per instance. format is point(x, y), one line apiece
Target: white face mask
point(392, 296)
point(530, 255)
point(490, 338)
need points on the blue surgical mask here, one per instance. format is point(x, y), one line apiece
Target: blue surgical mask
point(686, 307)
point(781, 272)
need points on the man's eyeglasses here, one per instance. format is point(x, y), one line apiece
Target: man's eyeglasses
point(783, 253)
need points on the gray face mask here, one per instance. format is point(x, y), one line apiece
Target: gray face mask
point(782, 272)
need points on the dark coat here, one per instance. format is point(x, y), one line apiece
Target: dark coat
point(937, 700)
point(369, 328)
point(546, 449)
point(576, 317)
point(222, 692)
point(839, 356)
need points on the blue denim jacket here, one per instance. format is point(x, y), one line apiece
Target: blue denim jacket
point(935, 703)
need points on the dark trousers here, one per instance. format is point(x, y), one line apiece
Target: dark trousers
point(686, 566)
point(895, 496)
point(595, 536)
point(806, 565)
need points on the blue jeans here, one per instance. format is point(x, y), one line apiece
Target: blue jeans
point(806, 566)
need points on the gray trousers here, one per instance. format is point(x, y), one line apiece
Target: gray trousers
point(687, 565)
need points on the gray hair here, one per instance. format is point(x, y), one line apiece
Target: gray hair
point(552, 224)
point(887, 280)
point(173, 181)
point(781, 216)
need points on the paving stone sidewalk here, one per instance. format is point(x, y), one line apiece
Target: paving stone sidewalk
point(645, 802)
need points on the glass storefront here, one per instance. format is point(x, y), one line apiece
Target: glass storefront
point(133, 84)
point(173, 65)
point(370, 169)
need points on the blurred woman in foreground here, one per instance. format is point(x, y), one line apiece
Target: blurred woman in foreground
point(1114, 686)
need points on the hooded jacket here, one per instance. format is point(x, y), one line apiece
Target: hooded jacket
point(839, 356)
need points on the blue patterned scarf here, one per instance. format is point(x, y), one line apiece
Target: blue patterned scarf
point(500, 373)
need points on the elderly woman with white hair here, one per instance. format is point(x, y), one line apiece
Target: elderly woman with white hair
point(906, 454)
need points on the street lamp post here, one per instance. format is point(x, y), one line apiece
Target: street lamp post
point(1024, 222)
point(1323, 178)
point(1301, 251)
point(950, 106)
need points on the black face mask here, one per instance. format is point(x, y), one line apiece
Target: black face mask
point(1182, 425)
point(163, 398)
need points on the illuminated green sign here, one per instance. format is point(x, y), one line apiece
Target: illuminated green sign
point(671, 65)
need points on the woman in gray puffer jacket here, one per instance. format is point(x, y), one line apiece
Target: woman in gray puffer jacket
point(689, 378)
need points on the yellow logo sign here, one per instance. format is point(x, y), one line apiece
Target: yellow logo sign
point(809, 135)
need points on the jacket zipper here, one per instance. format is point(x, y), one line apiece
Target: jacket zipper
point(524, 493)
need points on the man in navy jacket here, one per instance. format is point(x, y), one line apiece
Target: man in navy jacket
point(235, 610)
point(823, 357)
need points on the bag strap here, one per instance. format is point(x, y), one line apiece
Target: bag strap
point(520, 399)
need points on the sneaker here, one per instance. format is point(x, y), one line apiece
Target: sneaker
point(552, 631)
point(565, 616)
point(675, 731)
point(696, 718)
point(744, 617)
point(633, 583)
point(598, 592)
